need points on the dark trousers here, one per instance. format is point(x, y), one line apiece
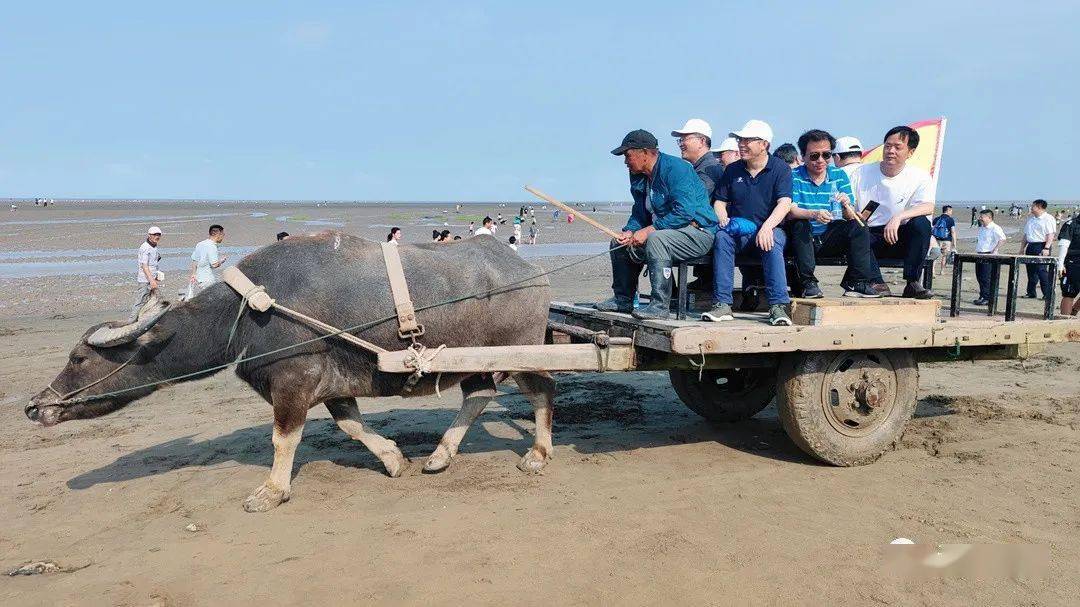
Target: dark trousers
point(1037, 273)
point(662, 249)
point(840, 237)
point(982, 274)
point(912, 244)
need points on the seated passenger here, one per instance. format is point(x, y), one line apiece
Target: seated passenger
point(820, 193)
point(671, 221)
point(900, 226)
point(756, 188)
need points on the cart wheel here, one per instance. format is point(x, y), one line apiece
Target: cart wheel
point(725, 395)
point(847, 408)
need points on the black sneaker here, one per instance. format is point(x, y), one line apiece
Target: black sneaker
point(914, 290)
point(882, 288)
point(811, 290)
point(981, 302)
point(861, 289)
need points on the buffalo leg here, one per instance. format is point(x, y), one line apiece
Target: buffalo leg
point(288, 428)
point(478, 391)
point(347, 416)
point(539, 388)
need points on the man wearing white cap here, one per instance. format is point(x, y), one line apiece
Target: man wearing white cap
point(847, 154)
point(147, 278)
point(728, 151)
point(694, 140)
point(757, 189)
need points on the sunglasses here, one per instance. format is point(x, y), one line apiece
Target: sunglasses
point(819, 155)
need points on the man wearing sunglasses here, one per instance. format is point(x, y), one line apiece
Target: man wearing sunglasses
point(818, 191)
point(671, 221)
point(756, 188)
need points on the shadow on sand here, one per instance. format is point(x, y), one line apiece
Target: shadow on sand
point(594, 414)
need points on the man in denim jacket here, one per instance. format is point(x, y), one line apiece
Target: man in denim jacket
point(671, 221)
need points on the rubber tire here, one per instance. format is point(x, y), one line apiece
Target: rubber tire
point(716, 403)
point(801, 375)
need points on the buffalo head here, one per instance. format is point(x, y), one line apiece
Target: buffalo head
point(95, 367)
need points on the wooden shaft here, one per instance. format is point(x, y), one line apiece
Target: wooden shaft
point(318, 324)
point(582, 216)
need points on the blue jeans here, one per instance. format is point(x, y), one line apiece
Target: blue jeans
point(772, 261)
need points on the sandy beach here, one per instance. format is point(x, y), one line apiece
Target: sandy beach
point(643, 503)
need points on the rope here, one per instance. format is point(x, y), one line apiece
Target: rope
point(360, 327)
point(240, 312)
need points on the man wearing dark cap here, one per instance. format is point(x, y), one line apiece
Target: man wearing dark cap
point(671, 221)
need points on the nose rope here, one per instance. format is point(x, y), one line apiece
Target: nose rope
point(64, 397)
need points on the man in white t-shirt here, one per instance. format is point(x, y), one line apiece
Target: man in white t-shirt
point(147, 277)
point(1039, 232)
point(205, 259)
point(988, 242)
point(488, 228)
point(847, 154)
point(900, 225)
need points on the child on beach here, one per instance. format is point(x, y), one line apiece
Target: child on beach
point(989, 241)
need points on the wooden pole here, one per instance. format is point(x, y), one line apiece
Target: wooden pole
point(582, 216)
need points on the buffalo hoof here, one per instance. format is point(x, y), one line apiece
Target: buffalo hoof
point(265, 498)
point(438, 461)
point(533, 462)
point(395, 463)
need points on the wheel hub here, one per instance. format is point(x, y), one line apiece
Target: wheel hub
point(859, 392)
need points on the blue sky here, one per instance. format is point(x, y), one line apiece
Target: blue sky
point(471, 101)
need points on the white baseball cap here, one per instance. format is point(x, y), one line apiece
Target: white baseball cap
point(727, 145)
point(154, 230)
point(694, 125)
point(754, 128)
point(847, 144)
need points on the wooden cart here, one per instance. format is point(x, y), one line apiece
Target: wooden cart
point(843, 391)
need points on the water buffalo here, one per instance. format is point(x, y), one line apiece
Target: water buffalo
point(340, 280)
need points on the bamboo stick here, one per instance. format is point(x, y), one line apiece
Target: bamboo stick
point(569, 209)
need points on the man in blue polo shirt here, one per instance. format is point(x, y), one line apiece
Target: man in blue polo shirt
point(820, 193)
point(671, 221)
point(756, 191)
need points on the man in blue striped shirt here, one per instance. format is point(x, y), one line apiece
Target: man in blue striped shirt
point(813, 229)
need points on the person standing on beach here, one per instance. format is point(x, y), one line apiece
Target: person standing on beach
point(487, 227)
point(147, 278)
point(1038, 240)
point(945, 233)
point(974, 215)
point(988, 242)
point(472, 228)
point(205, 259)
point(534, 231)
point(1068, 266)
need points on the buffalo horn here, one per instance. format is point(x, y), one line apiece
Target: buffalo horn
point(107, 337)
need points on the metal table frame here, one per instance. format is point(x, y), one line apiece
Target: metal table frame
point(1013, 262)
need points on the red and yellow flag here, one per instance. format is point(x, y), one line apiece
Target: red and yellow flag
point(928, 154)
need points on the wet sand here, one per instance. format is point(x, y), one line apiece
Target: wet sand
point(643, 503)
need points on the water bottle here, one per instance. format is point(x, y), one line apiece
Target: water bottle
point(835, 208)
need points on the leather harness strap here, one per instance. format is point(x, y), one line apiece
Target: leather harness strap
point(399, 288)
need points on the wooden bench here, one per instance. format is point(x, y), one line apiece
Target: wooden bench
point(682, 269)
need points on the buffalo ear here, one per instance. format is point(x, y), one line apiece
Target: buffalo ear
point(155, 337)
